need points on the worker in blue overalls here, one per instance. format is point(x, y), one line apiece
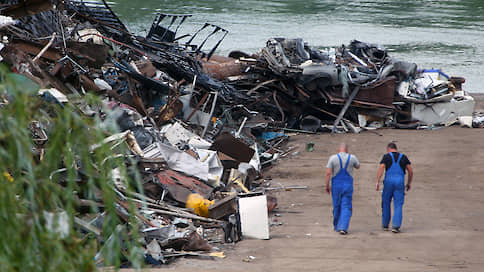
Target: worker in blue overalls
point(340, 171)
point(395, 164)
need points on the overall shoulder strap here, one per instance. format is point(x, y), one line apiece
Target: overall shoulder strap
point(393, 158)
point(348, 161)
point(340, 162)
point(399, 157)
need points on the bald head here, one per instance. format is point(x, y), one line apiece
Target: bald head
point(343, 148)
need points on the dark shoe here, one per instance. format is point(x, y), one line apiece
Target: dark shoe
point(343, 232)
point(386, 228)
point(395, 230)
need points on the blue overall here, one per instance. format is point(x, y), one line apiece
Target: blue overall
point(393, 187)
point(342, 191)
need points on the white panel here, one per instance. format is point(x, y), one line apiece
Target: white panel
point(254, 219)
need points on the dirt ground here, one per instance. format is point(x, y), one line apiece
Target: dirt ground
point(443, 223)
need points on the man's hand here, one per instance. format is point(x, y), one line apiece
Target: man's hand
point(379, 174)
point(410, 176)
point(327, 189)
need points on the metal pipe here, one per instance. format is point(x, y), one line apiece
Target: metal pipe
point(345, 108)
point(211, 113)
point(237, 135)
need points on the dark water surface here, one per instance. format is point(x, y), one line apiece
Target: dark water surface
point(445, 34)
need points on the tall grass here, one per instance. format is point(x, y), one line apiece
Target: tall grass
point(30, 189)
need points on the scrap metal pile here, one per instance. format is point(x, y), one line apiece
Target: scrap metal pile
point(202, 127)
point(350, 88)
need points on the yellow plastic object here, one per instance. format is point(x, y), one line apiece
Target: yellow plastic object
point(199, 204)
point(241, 185)
point(219, 254)
point(8, 176)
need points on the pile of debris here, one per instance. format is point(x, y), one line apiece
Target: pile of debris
point(201, 128)
point(198, 150)
point(349, 88)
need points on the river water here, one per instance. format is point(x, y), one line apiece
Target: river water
point(444, 34)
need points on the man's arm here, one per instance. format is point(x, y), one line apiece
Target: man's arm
point(357, 163)
point(328, 177)
point(379, 174)
point(410, 176)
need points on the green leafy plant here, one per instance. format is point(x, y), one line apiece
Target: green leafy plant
point(41, 186)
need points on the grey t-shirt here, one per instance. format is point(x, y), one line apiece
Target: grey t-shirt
point(333, 163)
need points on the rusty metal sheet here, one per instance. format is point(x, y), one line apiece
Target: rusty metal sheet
point(380, 94)
point(233, 147)
point(180, 186)
point(222, 70)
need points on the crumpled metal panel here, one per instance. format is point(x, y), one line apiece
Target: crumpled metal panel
point(443, 112)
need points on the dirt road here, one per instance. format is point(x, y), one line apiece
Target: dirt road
point(443, 224)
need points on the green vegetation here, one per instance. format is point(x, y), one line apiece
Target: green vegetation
point(32, 188)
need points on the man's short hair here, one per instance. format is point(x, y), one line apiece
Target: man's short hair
point(392, 145)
